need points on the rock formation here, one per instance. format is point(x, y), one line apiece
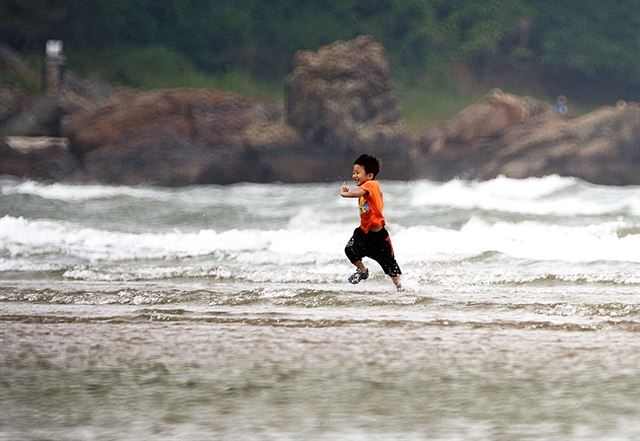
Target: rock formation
point(521, 137)
point(343, 95)
point(37, 158)
point(27, 114)
point(182, 137)
point(174, 137)
point(339, 103)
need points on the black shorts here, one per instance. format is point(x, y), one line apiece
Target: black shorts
point(377, 246)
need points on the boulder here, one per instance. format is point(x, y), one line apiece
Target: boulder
point(602, 147)
point(38, 116)
point(37, 158)
point(342, 95)
point(521, 137)
point(492, 116)
point(42, 115)
point(173, 137)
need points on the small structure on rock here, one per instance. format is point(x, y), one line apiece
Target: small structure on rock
point(54, 61)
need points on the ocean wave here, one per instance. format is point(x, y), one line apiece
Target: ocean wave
point(18, 264)
point(267, 319)
point(411, 303)
point(140, 296)
point(526, 240)
point(21, 238)
point(120, 274)
point(549, 195)
point(527, 278)
point(561, 309)
point(78, 192)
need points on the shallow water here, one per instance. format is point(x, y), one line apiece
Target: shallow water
point(223, 313)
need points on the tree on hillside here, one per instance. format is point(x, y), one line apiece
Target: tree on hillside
point(578, 39)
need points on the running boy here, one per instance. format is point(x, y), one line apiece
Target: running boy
point(370, 239)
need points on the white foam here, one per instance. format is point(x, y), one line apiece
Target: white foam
point(527, 240)
point(20, 237)
point(550, 195)
point(27, 265)
point(120, 273)
point(78, 192)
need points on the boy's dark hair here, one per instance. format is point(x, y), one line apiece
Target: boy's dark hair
point(370, 164)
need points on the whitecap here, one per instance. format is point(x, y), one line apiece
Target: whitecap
point(79, 192)
point(550, 195)
point(528, 240)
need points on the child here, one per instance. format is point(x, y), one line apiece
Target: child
point(370, 239)
point(561, 105)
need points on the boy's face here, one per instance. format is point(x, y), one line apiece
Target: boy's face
point(359, 175)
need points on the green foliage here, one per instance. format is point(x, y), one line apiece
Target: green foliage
point(585, 38)
point(590, 38)
point(142, 67)
point(425, 107)
point(158, 67)
point(13, 77)
point(25, 24)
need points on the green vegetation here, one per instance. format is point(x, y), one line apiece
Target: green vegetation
point(582, 37)
point(425, 107)
point(158, 67)
point(583, 49)
point(13, 77)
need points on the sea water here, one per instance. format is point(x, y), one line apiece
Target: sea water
point(223, 312)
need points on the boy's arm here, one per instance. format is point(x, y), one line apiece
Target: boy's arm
point(356, 193)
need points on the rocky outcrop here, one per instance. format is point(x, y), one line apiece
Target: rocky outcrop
point(175, 137)
point(24, 113)
point(339, 104)
point(522, 137)
point(182, 137)
point(343, 95)
point(601, 147)
point(37, 158)
point(12, 97)
point(37, 116)
point(489, 118)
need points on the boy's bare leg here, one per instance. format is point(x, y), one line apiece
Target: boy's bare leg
point(361, 274)
point(397, 281)
point(360, 266)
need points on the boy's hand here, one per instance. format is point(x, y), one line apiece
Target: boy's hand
point(346, 193)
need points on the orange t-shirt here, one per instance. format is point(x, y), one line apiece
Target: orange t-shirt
point(370, 206)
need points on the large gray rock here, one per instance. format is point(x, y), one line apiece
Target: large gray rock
point(177, 137)
point(518, 137)
point(601, 147)
point(184, 137)
point(342, 95)
point(39, 116)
